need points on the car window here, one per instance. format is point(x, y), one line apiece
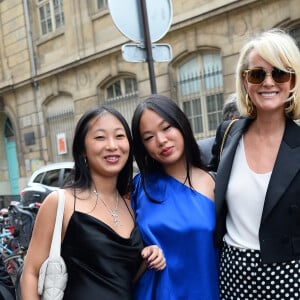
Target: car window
point(51, 178)
point(66, 177)
point(66, 173)
point(38, 178)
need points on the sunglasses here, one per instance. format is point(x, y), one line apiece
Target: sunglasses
point(258, 75)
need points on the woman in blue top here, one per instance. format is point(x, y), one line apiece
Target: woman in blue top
point(173, 200)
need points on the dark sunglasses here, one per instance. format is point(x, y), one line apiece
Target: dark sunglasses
point(258, 75)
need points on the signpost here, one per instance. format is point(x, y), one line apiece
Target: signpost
point(138, 53)
point(146, 22)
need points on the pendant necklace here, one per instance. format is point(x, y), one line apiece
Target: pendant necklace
point(113, 212)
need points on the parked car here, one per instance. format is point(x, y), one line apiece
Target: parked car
point(45, 180)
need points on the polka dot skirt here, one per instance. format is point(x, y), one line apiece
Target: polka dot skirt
point(243, 276)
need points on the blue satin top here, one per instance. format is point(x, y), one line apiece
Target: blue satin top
point(181, 222)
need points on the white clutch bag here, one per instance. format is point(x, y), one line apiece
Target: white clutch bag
point(53, 274)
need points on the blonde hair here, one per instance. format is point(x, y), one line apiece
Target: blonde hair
point(280, 50)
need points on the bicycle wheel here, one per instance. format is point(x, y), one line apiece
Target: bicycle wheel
point(12, 264)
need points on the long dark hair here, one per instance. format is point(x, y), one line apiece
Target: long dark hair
point(170, 112)
point(81, 175)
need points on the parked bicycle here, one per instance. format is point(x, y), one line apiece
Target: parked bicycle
point(12, 260)
point(16, 230)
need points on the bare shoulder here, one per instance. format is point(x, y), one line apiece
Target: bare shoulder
point(49, 205)
point(203, 182)
point(203, 175)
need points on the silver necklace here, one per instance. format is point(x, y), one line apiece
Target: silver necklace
point(113, 212)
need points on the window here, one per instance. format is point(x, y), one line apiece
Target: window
point(38, 178)
point(121, 88)
point(51, 15)
point(60, 121)
point(122, 94)
point(194, 113)
point(51, 178)
point(214, 104)
point(101, 4)
point(200, 90)
point(188, 71)
point(97, 7)
point(114, 90)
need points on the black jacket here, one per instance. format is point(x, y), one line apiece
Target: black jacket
point(279, 232)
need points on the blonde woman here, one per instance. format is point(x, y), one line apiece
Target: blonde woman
point(257, 191)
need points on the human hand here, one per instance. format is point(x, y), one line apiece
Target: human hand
point(154, 257)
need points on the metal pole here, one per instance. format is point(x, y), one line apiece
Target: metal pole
point(148, 46)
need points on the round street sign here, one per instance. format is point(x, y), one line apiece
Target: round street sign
point(127, 17)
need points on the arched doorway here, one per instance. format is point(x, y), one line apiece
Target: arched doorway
point(11, 157)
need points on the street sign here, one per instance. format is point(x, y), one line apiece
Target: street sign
point(138, 53)
point(126, 15)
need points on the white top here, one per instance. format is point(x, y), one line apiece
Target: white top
point(245, 198)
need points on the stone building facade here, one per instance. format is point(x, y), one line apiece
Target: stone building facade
point(60, 57)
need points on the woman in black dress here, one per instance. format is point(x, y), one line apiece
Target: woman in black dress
point(102, 246)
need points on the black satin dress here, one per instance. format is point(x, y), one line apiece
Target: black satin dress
point(101, 264)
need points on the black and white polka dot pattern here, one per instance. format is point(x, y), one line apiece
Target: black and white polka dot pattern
point(243, 276)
